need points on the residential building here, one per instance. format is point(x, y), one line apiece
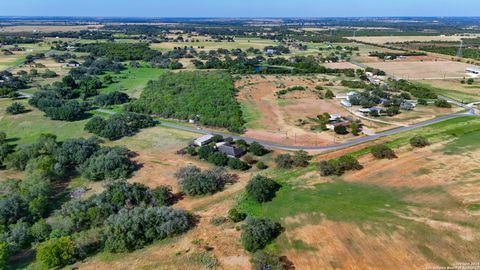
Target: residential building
point(231, 151)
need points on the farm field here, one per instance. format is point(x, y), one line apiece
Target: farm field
point(423, 70)
point(394, 39)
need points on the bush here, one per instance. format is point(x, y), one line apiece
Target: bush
point(218, 159)
point(235, 215)
point(419, 141)
point(284, 161)
point(258, 232)
point(40, 230)
point(257, 149)
point(261, 188)
point(338, 166)
point(195, 182)
point(341, 130)
point(4, 255)
point(442, 103)
point(262, 261)
point(15, 108)
point(382, 151)
point(422, 101)
point(87, 242)
point(56, 252)
point(133, 229)
point(204, 152)
point(237, 164)
point(261, 166)
point(163, 195)
point(301, 159)
point(217, 221)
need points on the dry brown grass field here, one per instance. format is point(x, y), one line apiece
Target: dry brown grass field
point(393, 39)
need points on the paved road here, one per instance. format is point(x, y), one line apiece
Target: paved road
point(329, 147)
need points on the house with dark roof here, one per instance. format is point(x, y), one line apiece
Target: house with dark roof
point(231, 151)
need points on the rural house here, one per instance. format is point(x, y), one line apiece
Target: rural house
point(231, 151)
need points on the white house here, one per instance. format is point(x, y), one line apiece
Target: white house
point(203, 140)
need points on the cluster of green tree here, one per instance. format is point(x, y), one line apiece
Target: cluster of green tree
point(95, 66)
point(9, 84)
point(466, 52)
point(277, 50)
point(338, 166)
point(17, 38)
point(58, 108)
point(25, 204)
point(393, 56)
point(119, 125)
point(287, 161)
point(120, 51)
point(195, 182)
point(354, 84)
point(208, 96)
point(290, 89)
point(123, 218)
point(62, 58)
point(415, 90)
point(112, 98)
point(375, 71)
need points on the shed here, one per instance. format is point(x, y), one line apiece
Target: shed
point(203, 140)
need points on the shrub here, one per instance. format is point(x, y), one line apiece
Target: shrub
point(217, 221)
point(382, 151)
point(285, 161)
point(261, 188)
point(329, 94)
point(235, 215)
point(56, 252)
point(206, 151)
point(217, 138)
point(301, 159)
point(341, 130)
point(163, 195)
point(257, 149)
point(261, 166)
point(338, 166)
point(237, 164)
point(4, 255)
point(133, 229)
point(40, 230)
point(218, 159)
point(195, 182)
point(419, 141)
point(262, 261)
point(15, 108)
point(258, 232)
point(87, 242)
point(441, 103)
point(422, 101)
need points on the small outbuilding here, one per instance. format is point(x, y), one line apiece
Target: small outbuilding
point(203, 140)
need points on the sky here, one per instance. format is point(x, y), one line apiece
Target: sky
point(240, 8)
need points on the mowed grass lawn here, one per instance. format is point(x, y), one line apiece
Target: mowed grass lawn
point(133, 80)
